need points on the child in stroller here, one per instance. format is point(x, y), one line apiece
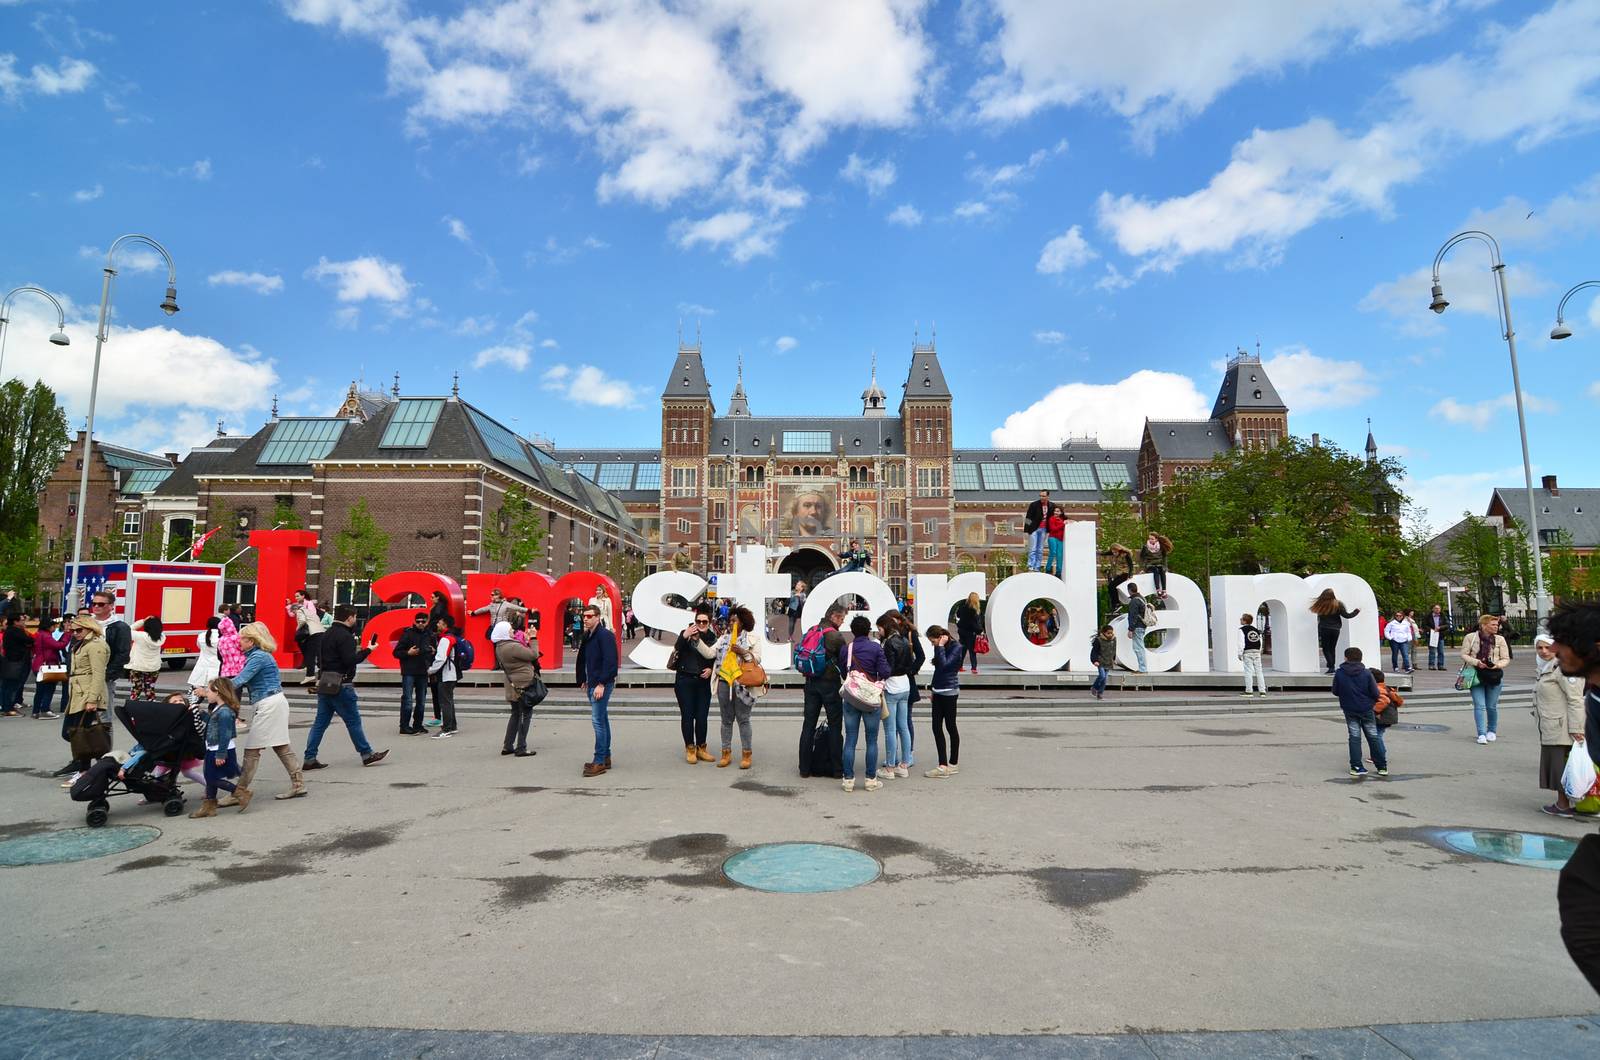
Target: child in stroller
point(168, 741)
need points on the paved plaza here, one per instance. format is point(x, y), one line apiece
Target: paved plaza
point(1148, 876)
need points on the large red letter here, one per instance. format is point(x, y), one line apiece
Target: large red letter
point(280, 570)
point(393, 588)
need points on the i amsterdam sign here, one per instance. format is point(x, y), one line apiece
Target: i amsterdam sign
point(1190, 629)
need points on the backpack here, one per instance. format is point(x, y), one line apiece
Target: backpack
point(822, 760)
point(464, 655)
point(812, 658)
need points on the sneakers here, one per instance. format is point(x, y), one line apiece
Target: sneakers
point(902, 772)
point(1482, 738)
point(1247, 695)
point(372, 759)
point(1556, 811)
point(937, 773)
point(444, 734)
point(1262, 694)
point(1383, 772)
point(48, 714)
point(1096, 693)
point(886, 773)
point(849, 783)
point(311, 763)
point(1491, 737)
point(1359, 771)
point(953, 768)
point(873, 784)
point(71, 780)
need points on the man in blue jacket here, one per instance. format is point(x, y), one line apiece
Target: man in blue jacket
point(597, 674)
point(1357, 690)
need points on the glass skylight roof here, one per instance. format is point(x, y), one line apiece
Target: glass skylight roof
point(1038, 477)
point(1112, 475)
point(1076, 476)
point(301, 441)
point(965, 476)
point(411, 426)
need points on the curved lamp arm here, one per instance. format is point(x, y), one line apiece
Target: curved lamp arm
point(1497, 266)
point(169, 304)
point(5, 304)
point(1562, 308)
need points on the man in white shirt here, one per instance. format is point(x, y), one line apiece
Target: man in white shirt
point(1399, 633)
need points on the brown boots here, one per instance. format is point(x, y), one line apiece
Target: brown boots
point(744, 758)
point(208, 808)
point(291, 762)
point(727, 758)
point(701, 753)
point(247, 771)
point(688, 753)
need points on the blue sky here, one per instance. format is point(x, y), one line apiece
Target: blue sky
point(1094, 204)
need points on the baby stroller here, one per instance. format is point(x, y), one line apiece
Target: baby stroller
point(169, 735)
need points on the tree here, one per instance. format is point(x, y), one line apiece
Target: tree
point(1561, 574)
point(362, 548)
point(514, 537)
point(219, 547)
point(33, 439)
point(284, 517)
point(1475, 555)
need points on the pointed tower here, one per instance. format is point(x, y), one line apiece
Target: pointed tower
point(1372, 444)
point(686, 414)
point(1248, 406)
point(926, 429)
point(739, 405)
point(873, 400)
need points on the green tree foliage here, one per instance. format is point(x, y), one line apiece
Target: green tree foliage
point(284, 517)
point(1117, 520)
point(514, 536)
point(220, 546)
point(1293, 508)
point(362, 548)
point(1476, 560)
point(33, 439)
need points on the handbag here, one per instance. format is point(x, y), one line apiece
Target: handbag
point(861, 691)
point(1467, 679)
point(532, 694)
point(981, 645)
point(1490, 676)
point(49, 675)
point(752, 675)
point(329, 682)
point(91, 738)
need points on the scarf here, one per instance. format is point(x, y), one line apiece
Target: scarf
point(1485, 647)
point(501, 631)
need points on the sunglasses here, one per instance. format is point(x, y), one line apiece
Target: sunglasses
point(702, 622)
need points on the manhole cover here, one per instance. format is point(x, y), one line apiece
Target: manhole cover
point(801, 868)
point(1533, 850)
point(75, 844)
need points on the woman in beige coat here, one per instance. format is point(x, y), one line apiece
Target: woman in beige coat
point(1558, 704)
point(86, 683)
point(1486, 652)
point(520, 664)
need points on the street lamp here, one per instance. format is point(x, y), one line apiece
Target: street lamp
point(169, 306)
point(1561, 331)
point(1438, 305)
point(59, 338)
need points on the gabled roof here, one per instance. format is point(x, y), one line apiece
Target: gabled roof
point(1246, 388)
point(1187, 439)
point(688, 378)
point(1576, 511)
point(926, 378)
point(124, 459)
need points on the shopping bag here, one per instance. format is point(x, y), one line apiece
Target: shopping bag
point(1467, 679)
point(1578, 779)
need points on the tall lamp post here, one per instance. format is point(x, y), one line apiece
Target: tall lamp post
point(1559, 332)
point(1438, 305)
point(59, 338)
point(169, 306)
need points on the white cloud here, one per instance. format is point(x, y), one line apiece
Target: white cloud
point(786, 343)
point(514, 357)
point(1528, 84)
point(1594, 390)
point(362, 278)
point(1479, 414)
point(1307, 382)
point(588, 385)
point(695, 309)
point(457, 228)
point(1441, 500)
point(200, 170)
point(1113, 412)
point(259, 282)
point(1066, 251)
point(130, 258)
point(876, 177)
point(1156, 63)
point(69, 76)
point(549, 344)
point(1015, 172)
point(905, 215)
point(1468, 286)
point(89, 194)
point(974, 210)
point(1050, 338)
point(744, 234)
point(476, 327)
point(348, 318)
point(464, 91)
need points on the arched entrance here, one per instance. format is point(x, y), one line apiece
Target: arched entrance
point(809, 565)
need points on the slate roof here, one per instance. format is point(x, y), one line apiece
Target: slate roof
point(1040, 465)
point(1246, 388)
point(761, 435)
point(1187, 439)
point(1577, 511)
point(182, 483)
point(634, 457)
point(688, 377)
point(926, 378)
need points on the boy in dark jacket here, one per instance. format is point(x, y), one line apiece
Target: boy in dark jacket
point(1103, 653)
point(414, 649)
point(1358, 698)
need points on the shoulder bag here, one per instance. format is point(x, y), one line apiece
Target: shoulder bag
point(329, 682)
point(859, 690)
point(532, 694)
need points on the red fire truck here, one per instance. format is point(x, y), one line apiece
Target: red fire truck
point(183, 595)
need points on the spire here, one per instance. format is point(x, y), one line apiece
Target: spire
point(926, 379)
point(873, 398)
point(688, 378)
point(455, 384)
point(220, 432)
point(396, 389)
point(739, 405)
point(274, 408)
point(1372, 444)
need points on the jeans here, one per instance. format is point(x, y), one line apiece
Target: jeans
point(1137, 636)
point(1100, 676)
point(817, 704)
point(853, 719)
point(694, 708)
point(1253, 673)
point(601, 721)
point(1328, 640)
point(44, 695)
point(944, 717)
point(1036, 549)
point(1436, 654)
point(733, 708)
point(1486, 706)
point(969, 650)
point(11, 691)
point(1394, 655)
point(444, 704)
point(517, 728)
point(413, 697)
point(897, 729)
point(1355, 725)
point(312, 648)
point(344, 705)
point(1405, 655)
point(1052, 563)
point(1159, 575)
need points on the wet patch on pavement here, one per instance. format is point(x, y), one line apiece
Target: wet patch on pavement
point(208, 844)
point(758, 788)
point(1229, 732)
point(1034, 734)
point(1171, 789)
point(883, 847)
point(155, 861)
point(22, 828)
point(408, 784)
point(1080, 889)
point(687, 846)
point(1392, 778)
point(262, 872)
point(24, 771)
point(525, 789)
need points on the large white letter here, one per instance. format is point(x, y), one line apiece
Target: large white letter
point(650, 606)
point(1004, 622)
point(751, 585)
point(936, 595)
point(1184, 619)
point(1287, 599)
point(879, 597)
point(1356, 595)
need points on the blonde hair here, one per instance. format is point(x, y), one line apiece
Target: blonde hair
point(258, 634)
point(1484, 620)
point(972, 601)
point(225, 692)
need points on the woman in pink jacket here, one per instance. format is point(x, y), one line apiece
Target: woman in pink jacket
point(49, 649)
point(229, 650)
